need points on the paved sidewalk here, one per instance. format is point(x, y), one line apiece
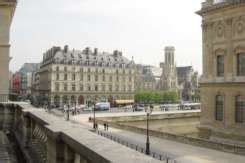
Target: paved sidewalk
point(183, 153)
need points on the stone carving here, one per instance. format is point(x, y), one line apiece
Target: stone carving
point(220, 30)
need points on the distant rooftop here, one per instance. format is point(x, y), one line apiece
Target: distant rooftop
point(210, 5)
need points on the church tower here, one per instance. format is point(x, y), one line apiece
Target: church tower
point(7, 8)
point(169, 55)
point(169, 75)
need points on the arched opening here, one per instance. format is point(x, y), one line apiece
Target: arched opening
point(81, 100)
point(73, 100)
point(65, 99)
point(57, 101)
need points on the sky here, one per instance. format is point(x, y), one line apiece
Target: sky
point(139, 28)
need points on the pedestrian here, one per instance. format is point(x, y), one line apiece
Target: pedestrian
point(105, 126)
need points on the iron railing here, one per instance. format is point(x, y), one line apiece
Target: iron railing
point(161, 157)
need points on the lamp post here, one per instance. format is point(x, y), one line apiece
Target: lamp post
point(148, 111)
point(68, 112)
point(94, 103)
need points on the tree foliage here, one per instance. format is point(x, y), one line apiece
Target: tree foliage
point(156, 97)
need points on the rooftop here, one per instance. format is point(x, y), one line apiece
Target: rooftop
point(210, 5)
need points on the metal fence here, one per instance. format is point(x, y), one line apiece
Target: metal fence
point(138, 148)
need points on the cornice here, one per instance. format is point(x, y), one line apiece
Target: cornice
point(213, 7)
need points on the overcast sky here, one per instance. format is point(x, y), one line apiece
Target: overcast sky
point(139, 28)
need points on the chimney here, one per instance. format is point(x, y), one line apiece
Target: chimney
point(66, 48)
point(87, 50)
point(115, 53)
point(95, 51)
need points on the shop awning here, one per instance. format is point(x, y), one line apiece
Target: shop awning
point(124, 102)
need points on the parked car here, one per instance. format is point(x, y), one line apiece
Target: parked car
point(139, 107)
point(102, 106)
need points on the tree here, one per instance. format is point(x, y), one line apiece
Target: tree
point(156, 97)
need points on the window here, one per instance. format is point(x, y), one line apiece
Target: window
point(117, 78)
point(96, 88)
point(110, 78)
point(103, 87)
point(130, 78)
point(57, 87)
point(89, 78)
point(117, 88)
point(110, 88)
point(81, 87)
point(103, 78)
point(81, 77)
point(239, 109)
point(220, 65)
point(65, 87)
point(73, 87)
point(96, 77)
point(241, 64)
point(57, 68)
point(103, 71)
point(57, 76)
point(89, 70)
point(219, 108)
point(124, 88)
point(129, 88)
point(65, 69)
point(73, 76)
point(65, 76)
point(81, 70)
point(89, 88)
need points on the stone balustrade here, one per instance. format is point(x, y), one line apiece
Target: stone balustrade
point(44, 137)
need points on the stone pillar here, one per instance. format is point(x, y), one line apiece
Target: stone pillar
point(55, 150)
point(69, 154)
point(79, 159)
point(6, 13)
point(27, 131)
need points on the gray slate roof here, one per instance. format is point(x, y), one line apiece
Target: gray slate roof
point(86, 57)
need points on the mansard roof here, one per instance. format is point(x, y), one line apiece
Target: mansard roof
point(85, 57)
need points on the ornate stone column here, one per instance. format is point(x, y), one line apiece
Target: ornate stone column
point(6, 13)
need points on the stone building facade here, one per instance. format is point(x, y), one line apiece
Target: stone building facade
point(81, 77)
point(147, 78)
point(169, 74)
point(223, 80)
point(187, 83)
point(7, 8)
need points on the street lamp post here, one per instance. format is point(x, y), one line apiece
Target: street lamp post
point(94, 104)
point(148, 111)
point(68, 112)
